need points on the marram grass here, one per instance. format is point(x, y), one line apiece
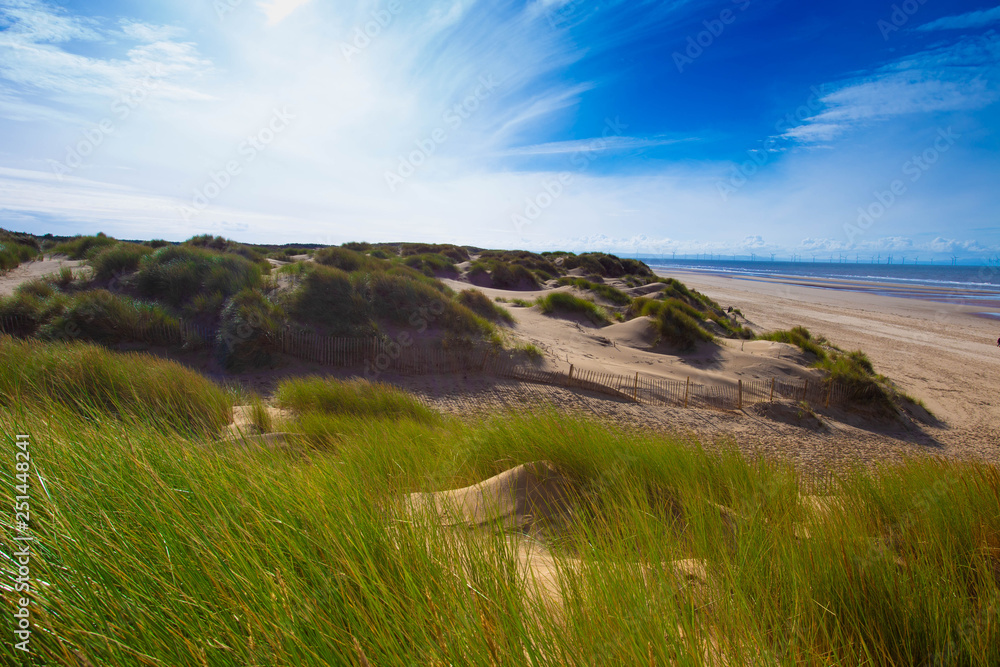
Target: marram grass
point(159, 548)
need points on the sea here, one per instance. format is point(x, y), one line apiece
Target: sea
point(971, 285)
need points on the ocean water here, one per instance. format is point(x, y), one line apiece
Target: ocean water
point(938, 282)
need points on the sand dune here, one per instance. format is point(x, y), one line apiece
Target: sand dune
point(519, 498)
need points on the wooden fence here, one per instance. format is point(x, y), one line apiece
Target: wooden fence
point(376, 356)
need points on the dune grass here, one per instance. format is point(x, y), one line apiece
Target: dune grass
point(358, 398)
point(156, 549)
point(612, 294)
point(431, 264)
point(481, 305)
point(13, 254)
point(852, 370)
point(175, 274)
point(93, 381)
point(564, 302)
point(249, 330)
point(502, 275)
point(117, 260)
point(82, 247)
point(801, 337)
point(676, 323)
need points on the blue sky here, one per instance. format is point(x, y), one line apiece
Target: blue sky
point(729, 127)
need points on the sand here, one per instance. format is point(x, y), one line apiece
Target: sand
point(943, 353)
point(31, 270)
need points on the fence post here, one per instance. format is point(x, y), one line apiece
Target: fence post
point(687, 388)
point(829, 390)
point(805, 390)
point(772, 391)
point(569, 378)
point(635, 388)
point(739, 395)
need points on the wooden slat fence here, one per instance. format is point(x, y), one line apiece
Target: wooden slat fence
point(379, 355)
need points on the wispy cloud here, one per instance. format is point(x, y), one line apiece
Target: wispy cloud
point(977, 19)
point(954, 77)
point(32, 57)
point(595, 144)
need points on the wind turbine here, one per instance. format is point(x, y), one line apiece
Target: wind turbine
point(772, 256)
point(954, 260)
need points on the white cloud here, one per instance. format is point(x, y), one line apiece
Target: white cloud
point(36, 21)
point(957, 77)
point(976, 19)
point(278, 10)
point(32, 59)
point(595, 144)
point(146, 32)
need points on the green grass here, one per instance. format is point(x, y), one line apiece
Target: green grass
point(249, 331)
point(612, 294)
point(801, 337)
point(118, 260)
point(852, 370)
point(358, 398)
point(159, 549)
point(502, 275)
point(13, 254)
point(344, 259)
point(608, 266)
point(676, 326)
point(566, 303)
point(326, 297)
point(431, 264)
point(481, 305)
point(95, 382)
point(82, 247)
point(532, 351)
point(174, 274)
point(260, 418)
point(103, 317)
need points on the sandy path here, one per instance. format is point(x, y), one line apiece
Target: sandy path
point(31, 270)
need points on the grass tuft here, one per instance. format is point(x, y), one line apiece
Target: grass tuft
point(564, 302)
point(93, 381)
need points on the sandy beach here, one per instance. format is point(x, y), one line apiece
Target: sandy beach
point(944, 353)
